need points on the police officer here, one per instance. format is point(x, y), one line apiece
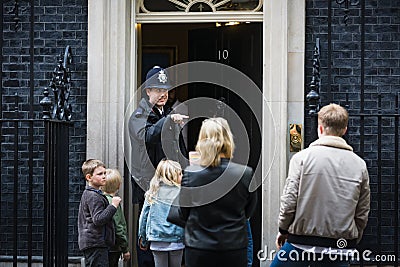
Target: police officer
point(155, 134)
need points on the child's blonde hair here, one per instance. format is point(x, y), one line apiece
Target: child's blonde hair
point(113, 181)
point(90, 165)
point(167, 172)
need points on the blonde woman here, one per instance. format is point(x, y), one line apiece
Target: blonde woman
point(215, 201)
point(165, 238)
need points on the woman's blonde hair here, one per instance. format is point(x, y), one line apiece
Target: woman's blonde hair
point(113, 181)
point(168, 172)
point(215, 138)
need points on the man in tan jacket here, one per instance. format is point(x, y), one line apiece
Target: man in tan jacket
point(326, 199)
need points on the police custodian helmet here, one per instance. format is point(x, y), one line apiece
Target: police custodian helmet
point(157, 77)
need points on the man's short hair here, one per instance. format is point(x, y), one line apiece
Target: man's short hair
point(90, 165)
point(334, 118)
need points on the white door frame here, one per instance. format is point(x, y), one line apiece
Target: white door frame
point(112, 81)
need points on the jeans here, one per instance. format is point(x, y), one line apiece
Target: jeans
point(249, 245)
point(291, 256)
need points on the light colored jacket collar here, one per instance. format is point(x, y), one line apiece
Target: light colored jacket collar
point(333, 141)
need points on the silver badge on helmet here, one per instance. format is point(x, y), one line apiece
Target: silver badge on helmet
point(162, 77)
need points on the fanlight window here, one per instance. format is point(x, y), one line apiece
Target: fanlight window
point(148, 6)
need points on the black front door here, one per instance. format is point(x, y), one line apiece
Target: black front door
point(237, 46)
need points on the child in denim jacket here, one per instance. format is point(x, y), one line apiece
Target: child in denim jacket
point(165, 238)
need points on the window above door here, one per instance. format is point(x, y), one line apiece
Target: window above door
point(189, 6)
point(188, 11)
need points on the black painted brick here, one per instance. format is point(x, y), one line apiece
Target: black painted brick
point(382, 75)
point(57, 24)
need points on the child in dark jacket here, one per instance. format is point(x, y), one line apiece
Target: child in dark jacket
point(113, 183)
point(95, 217)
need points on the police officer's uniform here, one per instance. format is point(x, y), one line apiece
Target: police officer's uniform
point(147, 127)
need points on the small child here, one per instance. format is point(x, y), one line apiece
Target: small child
point(166, 239)
point(95, 216)
point(113, 183)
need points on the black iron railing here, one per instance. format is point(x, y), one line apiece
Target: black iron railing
point(373, 129)
point(56, 172)
point(34, 182)
point(380, 129)
point(56, 184)
point(313, 99)
point(374, 135)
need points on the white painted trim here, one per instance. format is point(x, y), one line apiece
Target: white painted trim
point(283, 84)
point(97, 32)
point(114, 55)
point(203, 17)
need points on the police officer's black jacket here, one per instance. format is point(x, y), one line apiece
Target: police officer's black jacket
point(153, 136)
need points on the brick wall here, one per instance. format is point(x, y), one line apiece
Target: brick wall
point(64, 22)
point(56, 25)
point(380, 74)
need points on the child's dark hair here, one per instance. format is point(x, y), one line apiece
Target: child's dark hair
point(90, 165)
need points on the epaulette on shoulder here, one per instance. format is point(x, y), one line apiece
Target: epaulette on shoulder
point(138, 112)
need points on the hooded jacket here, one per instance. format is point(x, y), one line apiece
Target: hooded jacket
point(326, 196)
point(153, 136)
